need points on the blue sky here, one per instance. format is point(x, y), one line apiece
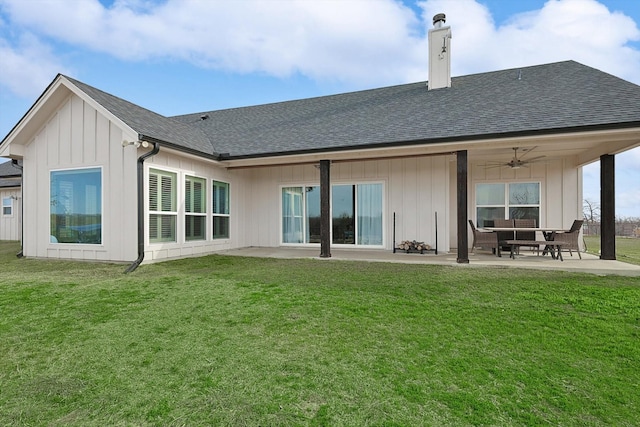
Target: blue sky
point(186, 56)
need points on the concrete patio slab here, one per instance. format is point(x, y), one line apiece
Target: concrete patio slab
point(588, 264)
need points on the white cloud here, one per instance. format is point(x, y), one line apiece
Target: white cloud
point(275, 37)
point(28, 67)
point(367, 42)
point(582, 30)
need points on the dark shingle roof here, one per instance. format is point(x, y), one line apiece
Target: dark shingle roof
point(551, 98)
point(545, 98)
point(9, 175)
point(8, 170)
point(147, 123)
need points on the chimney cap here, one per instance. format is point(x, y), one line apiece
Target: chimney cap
point(439, 17)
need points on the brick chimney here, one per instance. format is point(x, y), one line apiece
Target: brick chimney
point(439, 54)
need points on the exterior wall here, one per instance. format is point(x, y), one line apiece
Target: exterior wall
point(414, 188)
point(188, 165)
point(560, 188)
point(78, 136)
point(11, 225)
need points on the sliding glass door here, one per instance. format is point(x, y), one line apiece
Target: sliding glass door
point(356, 214)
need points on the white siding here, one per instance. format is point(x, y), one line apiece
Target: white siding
point(560, 188)
point(10, 225)
point(415, 188)
point(187, 165)
point(78, 136)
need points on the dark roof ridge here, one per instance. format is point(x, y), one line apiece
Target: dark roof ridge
point(363, 91)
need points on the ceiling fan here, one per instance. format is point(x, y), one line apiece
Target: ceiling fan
point(516, 162)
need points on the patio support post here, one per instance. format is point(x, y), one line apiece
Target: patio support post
point(325, 208)
point(463, 238)
point(607, 206)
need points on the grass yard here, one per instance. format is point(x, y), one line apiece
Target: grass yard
point(627, 248)
point(236, 341)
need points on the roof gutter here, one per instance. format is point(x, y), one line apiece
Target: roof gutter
point(192, 151)
point(141, 159)
point(15, 164)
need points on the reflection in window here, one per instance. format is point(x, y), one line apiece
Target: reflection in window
point(356, 214)
point(516, 200)
point(76, 206)
point(343, 218)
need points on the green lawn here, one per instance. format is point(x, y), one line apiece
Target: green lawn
point(237, 341)
point(627, 248)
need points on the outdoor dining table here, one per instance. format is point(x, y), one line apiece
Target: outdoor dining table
point(548, 233)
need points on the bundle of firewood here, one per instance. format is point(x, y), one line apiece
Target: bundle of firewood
point(412, 245)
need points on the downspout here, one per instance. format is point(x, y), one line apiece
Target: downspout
point(141, 159)
point(15, 164)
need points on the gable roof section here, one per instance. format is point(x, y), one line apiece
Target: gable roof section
point(149, 125)
point(559, 97)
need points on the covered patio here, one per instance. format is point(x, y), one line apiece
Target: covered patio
point(589, 263)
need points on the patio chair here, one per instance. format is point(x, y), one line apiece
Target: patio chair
point(526, 235)
point(486, 240)
point(570, 238)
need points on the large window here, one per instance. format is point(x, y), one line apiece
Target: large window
point(507, 201)
point(76, 206)
point(356, 215)
point(220, 210)
point(7, 206)
point(195, 206)
point(162, 206)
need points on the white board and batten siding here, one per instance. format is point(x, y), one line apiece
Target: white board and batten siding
point(414, 188)
point(182, 166)
point(77, 136)
point(10, 224)
point(560, 190)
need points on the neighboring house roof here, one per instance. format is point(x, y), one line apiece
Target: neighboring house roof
point(8, 170)
point(9, 182)
point(10, 176)
point(564, 96)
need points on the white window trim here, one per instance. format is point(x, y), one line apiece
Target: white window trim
point(214, 215)
point(506, 205)
point(205, 214)
point(10, 206)
point(103, 224)
point(180, 239)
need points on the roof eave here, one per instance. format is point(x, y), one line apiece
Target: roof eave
point(443, 140)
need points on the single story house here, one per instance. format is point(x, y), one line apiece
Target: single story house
point(10, 197)
point(105, 179)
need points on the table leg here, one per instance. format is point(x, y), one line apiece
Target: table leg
point(549, 236)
